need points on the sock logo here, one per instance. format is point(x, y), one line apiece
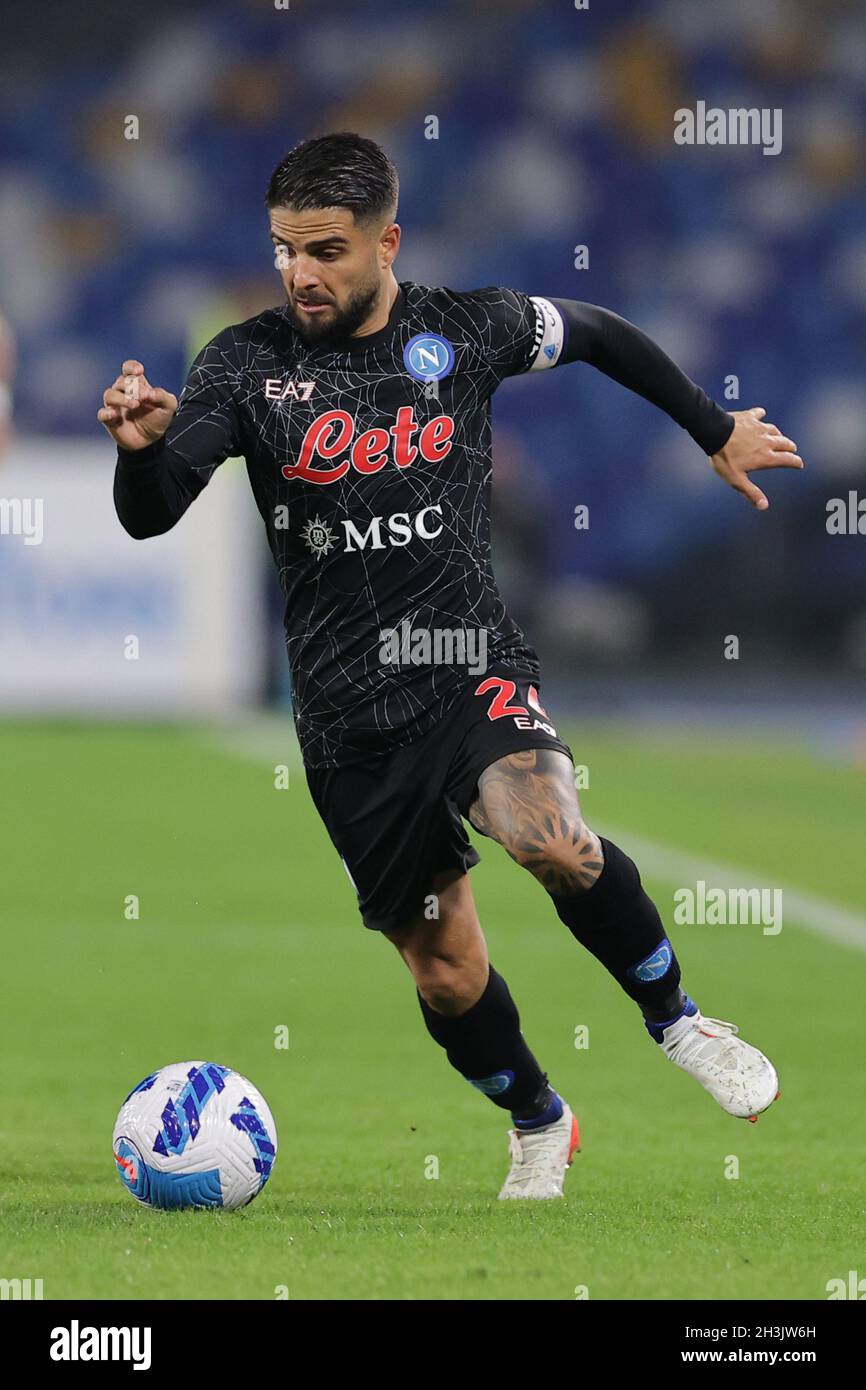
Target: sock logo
point(494, 1085)
point(655, 965)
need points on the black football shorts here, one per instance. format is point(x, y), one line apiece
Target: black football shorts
point(395, 819)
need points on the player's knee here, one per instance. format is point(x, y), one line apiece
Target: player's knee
point(567, 858)
point(448, 985)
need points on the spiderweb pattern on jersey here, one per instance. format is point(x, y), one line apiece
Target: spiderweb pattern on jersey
point(348, 704)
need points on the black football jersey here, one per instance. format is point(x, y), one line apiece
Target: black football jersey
point(371, 467)
point(370, 462)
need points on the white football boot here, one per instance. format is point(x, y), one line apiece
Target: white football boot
point(737, 1075)
point(540, 1157)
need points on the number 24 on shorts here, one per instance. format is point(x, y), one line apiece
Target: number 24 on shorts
point(500, 708)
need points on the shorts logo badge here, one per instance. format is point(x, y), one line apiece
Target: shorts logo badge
point(500, 707)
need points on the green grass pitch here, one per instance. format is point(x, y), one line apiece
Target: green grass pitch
point(248, 922)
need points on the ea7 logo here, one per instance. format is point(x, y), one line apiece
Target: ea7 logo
point(292, 391)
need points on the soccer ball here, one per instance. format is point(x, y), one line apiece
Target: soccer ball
point(195, 1134)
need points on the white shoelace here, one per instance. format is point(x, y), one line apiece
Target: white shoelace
point(694, 1041)
point(720, 1023)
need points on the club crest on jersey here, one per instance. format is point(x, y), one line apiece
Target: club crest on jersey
point(428, 357)
point(276, 390)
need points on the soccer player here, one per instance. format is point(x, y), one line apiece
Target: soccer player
point(362, 407)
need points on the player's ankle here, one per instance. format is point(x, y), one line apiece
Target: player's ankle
point(665, 1010)
point(546, 1110)
point(656, 1029)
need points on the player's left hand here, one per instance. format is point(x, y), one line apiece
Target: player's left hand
point(754, 444)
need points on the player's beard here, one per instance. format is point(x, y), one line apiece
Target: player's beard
point(341, 324)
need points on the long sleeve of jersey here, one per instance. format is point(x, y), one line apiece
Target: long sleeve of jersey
point(527, 333)
point(154, 486)
point(625, 353)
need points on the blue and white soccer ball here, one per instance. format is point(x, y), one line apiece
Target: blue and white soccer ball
point(195, 1134)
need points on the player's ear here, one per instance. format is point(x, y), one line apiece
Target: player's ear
point(389, 244)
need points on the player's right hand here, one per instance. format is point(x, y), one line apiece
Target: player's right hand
point(134, 412)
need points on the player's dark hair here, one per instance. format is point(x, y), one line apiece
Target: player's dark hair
point(343, 170)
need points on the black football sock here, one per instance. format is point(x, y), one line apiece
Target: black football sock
point(620, 925)
point(486, 1046)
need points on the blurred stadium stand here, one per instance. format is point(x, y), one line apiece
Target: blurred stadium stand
point(555, 130)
